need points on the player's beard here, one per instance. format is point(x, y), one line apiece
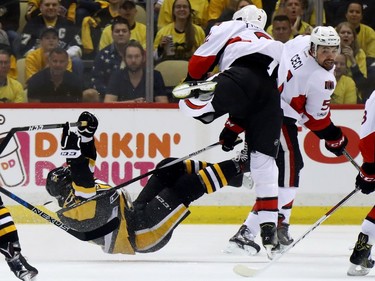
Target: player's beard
point(328, 64)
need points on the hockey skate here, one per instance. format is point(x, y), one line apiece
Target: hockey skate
point(203, 90)
point(270, 241)
point(243, 243)
point(17, 263)
point(361, 261)
point(283, 235)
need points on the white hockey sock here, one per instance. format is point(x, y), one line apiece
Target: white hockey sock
point(285, 201)
point(252, 222)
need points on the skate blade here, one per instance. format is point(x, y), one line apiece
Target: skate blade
point(357, 270)
point(271, 252)
point(233, 248)
point(183, 90)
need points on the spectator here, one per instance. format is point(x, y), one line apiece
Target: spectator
point(129, 84)
point(66, 9)
point(9, 21)
point(227, 14)
point(38, 59)
point(68, 34)
point(356, 57)
point(217, 7)
point(10, 89)
point(87, 8)
point(179, 39)
point(345, 91)
point(294, 10)
point(336, 10)
point(92, 26)
point(365, 34)
point(109, 59)
point(308, 11)
point(166, 13)
point(282, 28)
point(55, 83)
point(128, 11)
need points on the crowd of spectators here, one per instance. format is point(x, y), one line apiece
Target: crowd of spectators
point(61, 37)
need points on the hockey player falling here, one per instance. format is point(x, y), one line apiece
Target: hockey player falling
point(245, 89)
point(361, 261)
point(148, 222)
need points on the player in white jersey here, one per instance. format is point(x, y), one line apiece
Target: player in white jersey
point(306, 82)
point(361, 261)
point(246, 90)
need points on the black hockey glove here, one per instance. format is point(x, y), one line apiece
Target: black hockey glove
point(229, 134)
point(87, 132)
point(70, 147)
point(338, 145)
point(365, 180)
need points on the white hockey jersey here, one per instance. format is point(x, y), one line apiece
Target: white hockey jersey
point(229, 41)
point(304, 85)
point(367, 132)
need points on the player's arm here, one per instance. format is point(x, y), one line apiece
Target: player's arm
point(317, 109)
point(207, 56)
point(366, 177)
point(80, 154)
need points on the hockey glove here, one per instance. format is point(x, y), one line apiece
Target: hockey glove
point(229, 134)
point(87, 132)
point(70, 147)
point(338, 145)
point(365, 180)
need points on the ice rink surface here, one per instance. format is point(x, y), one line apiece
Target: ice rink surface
point(193, 254)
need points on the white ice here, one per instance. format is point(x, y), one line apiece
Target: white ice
point(193, 254)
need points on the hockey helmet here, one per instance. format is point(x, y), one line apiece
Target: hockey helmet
point(59, 183)
point(251, 14)
point(323, 36)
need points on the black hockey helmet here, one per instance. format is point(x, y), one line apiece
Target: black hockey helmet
point(59, 183)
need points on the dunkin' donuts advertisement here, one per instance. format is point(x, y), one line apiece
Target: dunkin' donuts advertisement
point(131, 141)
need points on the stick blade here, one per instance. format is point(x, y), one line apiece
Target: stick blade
point(98, 232)
point(244, 270)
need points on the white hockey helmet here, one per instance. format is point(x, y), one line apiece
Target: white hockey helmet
point(251, 14)
point(323, 36)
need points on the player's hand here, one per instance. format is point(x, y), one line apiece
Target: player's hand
point(229, 134)
point(365, 181)
point(338, 145)
point(70, 147)
point(87, 132)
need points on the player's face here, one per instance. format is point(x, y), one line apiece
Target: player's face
point(134, 59)
point(325, 56)
point(121, 34)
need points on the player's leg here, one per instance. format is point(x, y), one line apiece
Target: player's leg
point(265, 173)
point(361, 261)
point(11, 249)
point(290, 163)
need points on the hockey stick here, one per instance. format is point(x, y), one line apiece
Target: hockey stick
point(239, 140)
point(12, 131)
point(84, 236)
point(246, 271)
